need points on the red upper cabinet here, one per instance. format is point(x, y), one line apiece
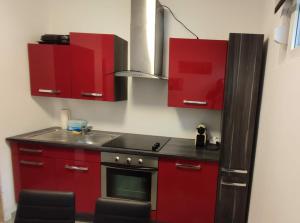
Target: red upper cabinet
point(186, 191)
point(196, 73)
point(50, 70)
point(95, 58)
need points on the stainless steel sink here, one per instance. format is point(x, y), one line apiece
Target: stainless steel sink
point(63, 136)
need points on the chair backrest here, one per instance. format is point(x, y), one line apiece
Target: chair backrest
point(45, 207)
point(121, 211)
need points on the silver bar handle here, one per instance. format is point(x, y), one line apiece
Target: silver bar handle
point(77, 168)
point(88, 94)
point(31, 163)
point(233, 184)
point(31, 150)
point(188, 166)
point(49, 91)
point(195, 102)
point(234, 171)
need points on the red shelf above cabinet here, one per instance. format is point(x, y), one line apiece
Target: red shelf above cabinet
point(95, 58)
point(50, 73)
point(196, 73)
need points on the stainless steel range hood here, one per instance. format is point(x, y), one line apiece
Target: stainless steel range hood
point(146, 40)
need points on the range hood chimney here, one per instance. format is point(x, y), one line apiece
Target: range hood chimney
point(146, 40)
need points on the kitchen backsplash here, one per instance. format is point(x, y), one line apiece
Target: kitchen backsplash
point(145, 112)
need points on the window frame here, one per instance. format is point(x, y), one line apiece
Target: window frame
point(291, 50)
point(296, 33)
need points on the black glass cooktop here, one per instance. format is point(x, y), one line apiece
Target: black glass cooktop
point(138, 142)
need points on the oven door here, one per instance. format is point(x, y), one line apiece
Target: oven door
point(130, 183)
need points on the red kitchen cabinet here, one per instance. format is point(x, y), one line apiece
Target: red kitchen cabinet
point(31, 169)
point(50, 70)
point(37, 173)
point(77, 154)
point(40, 167)
point(196, 73)
point(95, 58)
point(186, 191)
point(83, 178)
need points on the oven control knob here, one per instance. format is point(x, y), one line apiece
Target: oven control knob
point(140, 161)
point(129, 160)
point(117, 159)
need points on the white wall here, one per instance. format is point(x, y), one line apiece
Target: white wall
point(20, 22)
point(146, 110)
point(275, 194)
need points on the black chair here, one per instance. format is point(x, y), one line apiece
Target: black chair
point(45, 207)
point(120, 211)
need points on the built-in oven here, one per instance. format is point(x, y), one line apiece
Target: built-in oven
point(129, 177)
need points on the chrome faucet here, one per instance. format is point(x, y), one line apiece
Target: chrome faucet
point(86, 130)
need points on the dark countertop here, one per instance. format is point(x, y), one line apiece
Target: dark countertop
point(175, 148)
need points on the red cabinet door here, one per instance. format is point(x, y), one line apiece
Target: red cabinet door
point(50, 70)
point(196, 73)
point(92, 57)
point(77, 154)
point(31, 169)
point(186, 191)
point(83, 178)
point(37, 173)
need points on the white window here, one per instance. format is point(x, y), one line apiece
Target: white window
point(297, 30)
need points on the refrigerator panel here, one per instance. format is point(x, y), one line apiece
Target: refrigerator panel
point(233, 201)
point(241, 109)
point(242, 87)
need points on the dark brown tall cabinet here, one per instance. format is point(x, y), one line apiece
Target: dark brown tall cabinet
point(240, 120)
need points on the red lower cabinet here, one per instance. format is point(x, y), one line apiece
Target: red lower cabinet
point(37, 173)
point(31, 169)
point(186, 191)
point(58, 169)
point(83, 178)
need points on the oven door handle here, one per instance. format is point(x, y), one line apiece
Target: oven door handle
point(133, 168)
